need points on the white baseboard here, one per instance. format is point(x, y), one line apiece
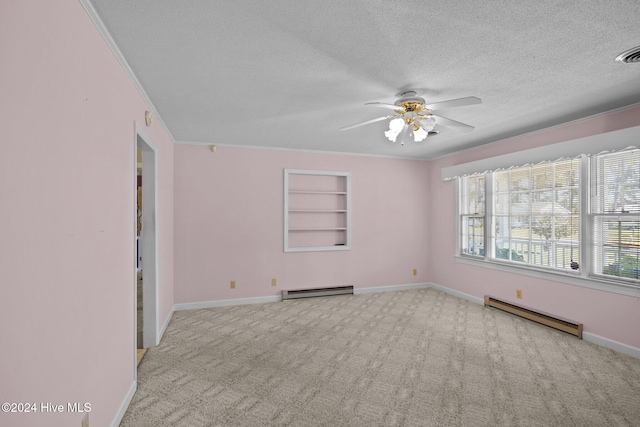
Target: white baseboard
point(125, 405)
point(604, 342)
point(226, 302)
point(390, 288)
point(587, 336)
point(278, 298)
point(458, 294)
point(611, 344)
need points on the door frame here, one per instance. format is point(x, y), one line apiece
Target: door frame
point(150, 298)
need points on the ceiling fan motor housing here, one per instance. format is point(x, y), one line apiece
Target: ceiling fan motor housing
point(410, 101)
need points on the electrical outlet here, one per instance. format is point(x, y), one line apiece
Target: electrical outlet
point(519, 293)
point(85, 420)
point(415, 271)
point(273, 282)
point(233, 284)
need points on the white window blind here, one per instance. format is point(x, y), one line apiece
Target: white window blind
point(472, 205)
point(536, 215)
point(615, 207)
point(577, 220)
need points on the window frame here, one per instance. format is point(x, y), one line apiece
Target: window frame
point(463, 218)
point(599, 215)
point(584, 277)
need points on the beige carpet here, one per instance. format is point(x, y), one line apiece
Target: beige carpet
point(407, 358)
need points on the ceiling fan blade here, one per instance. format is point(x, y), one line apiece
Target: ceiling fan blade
point(385, 105)
point(462, 127)
point(459, 102)
point(365, 123)
point(439, 128)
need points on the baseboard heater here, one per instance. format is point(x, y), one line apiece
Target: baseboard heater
point(317, 292)
point(565, 325)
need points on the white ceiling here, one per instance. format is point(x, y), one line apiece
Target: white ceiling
point(290, 73)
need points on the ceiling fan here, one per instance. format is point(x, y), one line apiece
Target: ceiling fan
point(414, 116)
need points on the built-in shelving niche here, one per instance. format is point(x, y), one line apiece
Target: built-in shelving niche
point(317, 210)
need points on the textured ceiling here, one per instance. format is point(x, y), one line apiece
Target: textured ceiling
point(290, 73)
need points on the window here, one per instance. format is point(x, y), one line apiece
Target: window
point(615, 207)
point(472, 215)
point(536, 216)
point(578, 217)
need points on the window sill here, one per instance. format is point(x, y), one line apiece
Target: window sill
point(568, 277)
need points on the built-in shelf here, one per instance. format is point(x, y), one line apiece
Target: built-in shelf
point(317, 210)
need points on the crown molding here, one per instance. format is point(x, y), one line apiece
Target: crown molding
point(97, 21)
point(297, 150)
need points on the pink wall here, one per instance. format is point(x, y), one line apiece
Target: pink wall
point(229, 224)
point(67, 114)
point(606, 314)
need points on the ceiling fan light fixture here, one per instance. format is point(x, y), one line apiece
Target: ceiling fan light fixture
point(395, 127)
point(428, 123)
point(396, 124)
point(419, 134)
point(391, 136)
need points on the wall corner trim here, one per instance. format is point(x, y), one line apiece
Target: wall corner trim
point(166, 324)
point(125, 405)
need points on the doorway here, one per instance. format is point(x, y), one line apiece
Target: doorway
point(146, 295)
point(139, 279)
